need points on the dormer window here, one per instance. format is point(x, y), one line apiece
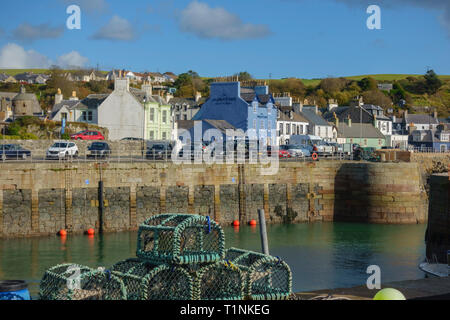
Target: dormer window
point(255, 106)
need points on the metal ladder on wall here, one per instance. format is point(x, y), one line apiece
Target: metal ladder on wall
point(68, 195)
point(241, 191)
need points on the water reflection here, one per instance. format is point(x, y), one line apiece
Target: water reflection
point(321, 255)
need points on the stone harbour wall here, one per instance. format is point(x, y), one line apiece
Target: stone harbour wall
point(438, 231)
point(42, 198)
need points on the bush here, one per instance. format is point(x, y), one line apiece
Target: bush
point(65, 136)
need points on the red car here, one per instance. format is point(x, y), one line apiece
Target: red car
point(87, 135)
point(283, 152)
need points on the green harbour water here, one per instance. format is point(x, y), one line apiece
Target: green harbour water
point(321, 255)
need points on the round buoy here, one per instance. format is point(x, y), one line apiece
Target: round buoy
point(253, 222)
point(389, 294)
point(91, 232)
point(315, 156)
point(236, 223)
point(62, 233)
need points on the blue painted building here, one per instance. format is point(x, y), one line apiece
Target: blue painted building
point(247, 107)
point(430, 140)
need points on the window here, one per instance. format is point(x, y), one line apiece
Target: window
point(262, 124)
point(294, 129)
point(281, 128)
point(255, 106)
point(64, 115)
point(164, 135)
point(185, 117)
point(443, 148)
point(269, 125)
point(254, 124)
point(87, 116)
point(152, 135)
point(318, 131)
point(288, 128)
point(178, 117)
point(152, 114)
point(164, 116)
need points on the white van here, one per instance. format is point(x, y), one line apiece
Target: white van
point(312, 141)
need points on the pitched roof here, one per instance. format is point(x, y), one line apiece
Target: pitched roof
point(312, 117)
point(420, 119)
point(295, 117)
point(357, 130)
point(249, 97)
point(188, 101)
point(221, 125)
point(355, 113)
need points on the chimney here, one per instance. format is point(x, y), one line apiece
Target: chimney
point(375, 121)
point(412, 128)
point(349, 121)
point(336, 120)
point(198, 96)
point(74, 96)
point(147, 88)
point(317, 108)
point(121, 84)
point(58, 97)
point(435, 114)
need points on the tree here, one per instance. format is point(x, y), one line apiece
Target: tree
point(244, 76)
point(333, 85)
point(432, 82)
point(376, 97)
point(368, 84)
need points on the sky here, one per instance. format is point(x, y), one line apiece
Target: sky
point(267, 38)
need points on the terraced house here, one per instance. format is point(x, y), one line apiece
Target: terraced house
point(158, 117)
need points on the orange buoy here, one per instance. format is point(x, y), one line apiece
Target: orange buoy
point(62, 233)
point(253, 222)
point(315, 156)
point(236, 223)
point(91, 232)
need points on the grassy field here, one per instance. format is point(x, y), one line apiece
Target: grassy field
point(13, 72)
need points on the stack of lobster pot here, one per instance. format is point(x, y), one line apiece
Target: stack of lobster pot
point(180, 257)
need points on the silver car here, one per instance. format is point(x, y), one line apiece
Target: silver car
point(297, 151)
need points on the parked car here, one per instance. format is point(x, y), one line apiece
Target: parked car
point(283, 152)
point(99, 150)
point(337, 148)
point(298, 151)
point(88, 135)
point(159, 151)
point(13, 151)
point(62, 150)
point(132, 139)
point(319, 146)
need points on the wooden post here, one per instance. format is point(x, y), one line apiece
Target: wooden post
point(263, 231)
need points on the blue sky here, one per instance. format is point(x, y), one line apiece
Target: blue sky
point(284, 38)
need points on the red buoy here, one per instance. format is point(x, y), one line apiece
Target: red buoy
point(236, 223)
point(91, 232)
point(252, 222)
point(62, 233)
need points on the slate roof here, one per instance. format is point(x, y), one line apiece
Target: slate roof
point(296, 117)
point(357, 130)
point(420, 119)
point(188, 101)
point(249, 97)
point(309, 113)
point(92, 101)
point(355, 114)
point(429, 136)
point(220, 125)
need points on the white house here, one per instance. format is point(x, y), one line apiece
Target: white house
point(288, 124)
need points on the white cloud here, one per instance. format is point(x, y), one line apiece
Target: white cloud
point(13, 56)
point(116, 29)
point(72, 60)
point(27, 32)
point(206, 22)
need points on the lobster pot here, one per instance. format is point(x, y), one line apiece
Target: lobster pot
point(218, 281)
point(144, 281)
point(180, 239)
point(75, 282)
point(126, 265)
point(266, 277)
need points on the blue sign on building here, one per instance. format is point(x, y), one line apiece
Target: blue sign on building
point(245, 108)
